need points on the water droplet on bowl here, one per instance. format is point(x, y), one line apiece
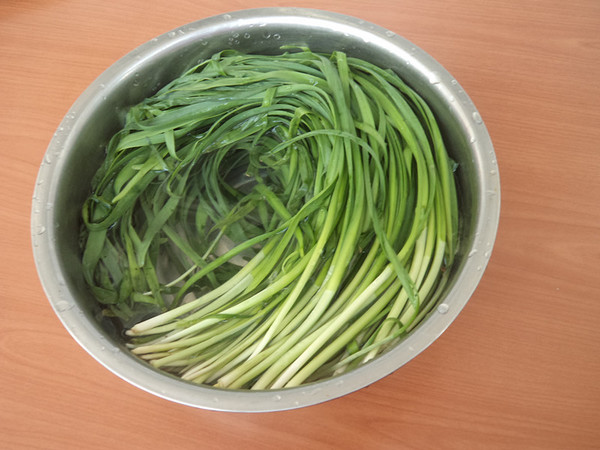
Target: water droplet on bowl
point(477, 118)
point(434, 78)
point(63, 305)
point(277, 397)
point(443, 308)
point(390, 33)
point(40, 230)
point(472, 253)
point(276, 36)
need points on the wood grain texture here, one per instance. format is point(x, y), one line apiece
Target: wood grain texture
point(519, 368)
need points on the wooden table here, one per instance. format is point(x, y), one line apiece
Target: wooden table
point(519, 368)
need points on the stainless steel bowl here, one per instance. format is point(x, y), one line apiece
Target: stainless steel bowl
point(77, 149)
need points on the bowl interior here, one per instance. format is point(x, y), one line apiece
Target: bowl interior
point(77, 149)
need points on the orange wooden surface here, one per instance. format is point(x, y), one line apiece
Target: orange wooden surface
point(519, 368)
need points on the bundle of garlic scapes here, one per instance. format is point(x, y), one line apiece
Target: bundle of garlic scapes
point(267, 221)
